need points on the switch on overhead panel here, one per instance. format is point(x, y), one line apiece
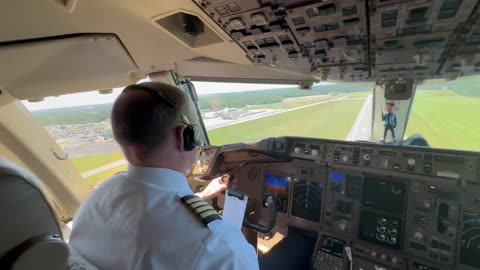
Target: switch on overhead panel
point(237, 24)
point(259, 19)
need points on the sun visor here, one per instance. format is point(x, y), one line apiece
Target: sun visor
point(55, 65)
point(205, 69)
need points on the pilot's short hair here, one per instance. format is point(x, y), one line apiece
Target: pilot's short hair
point(141, 117)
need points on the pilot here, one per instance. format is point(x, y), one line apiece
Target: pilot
point(390, 121)
point(148, 217)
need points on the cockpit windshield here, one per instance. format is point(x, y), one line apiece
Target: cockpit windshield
point(443, 112)
point(248, 112)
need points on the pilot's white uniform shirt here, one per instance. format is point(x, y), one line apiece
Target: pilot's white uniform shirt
point(136, 220)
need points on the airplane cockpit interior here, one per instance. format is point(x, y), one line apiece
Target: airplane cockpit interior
point(382, 199)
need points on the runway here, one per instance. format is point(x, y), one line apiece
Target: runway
point(362, 128)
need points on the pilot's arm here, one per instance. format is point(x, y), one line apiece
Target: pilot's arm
point(213, 189)
point(227, 249)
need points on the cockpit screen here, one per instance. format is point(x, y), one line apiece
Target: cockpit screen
point(470, 239)
point(279, 186)
point(307, 199)
point(381, 229)
point(384, 195)
point(337, 182)
point(332, 246)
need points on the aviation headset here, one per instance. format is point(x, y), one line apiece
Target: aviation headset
point(189, 134)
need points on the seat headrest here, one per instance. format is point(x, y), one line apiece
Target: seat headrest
point(30, 231)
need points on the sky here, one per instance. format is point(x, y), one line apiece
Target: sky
point(90, 98)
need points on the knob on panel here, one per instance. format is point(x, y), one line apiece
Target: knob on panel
point(418, 235)
point(411, 161)
point(392, 232)
point(422, 221)
point(382, 221)
point(297, 150)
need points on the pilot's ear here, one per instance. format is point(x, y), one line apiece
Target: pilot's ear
point(179, 137)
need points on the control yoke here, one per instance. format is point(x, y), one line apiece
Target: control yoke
point(270, 203)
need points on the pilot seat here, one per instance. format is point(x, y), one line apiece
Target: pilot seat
point(30, 232)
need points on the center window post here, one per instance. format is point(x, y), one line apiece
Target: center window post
point(189, 88)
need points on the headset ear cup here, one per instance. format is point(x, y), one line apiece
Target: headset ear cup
point(189, 138)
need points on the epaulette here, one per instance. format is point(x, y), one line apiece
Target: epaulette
point(201, 208)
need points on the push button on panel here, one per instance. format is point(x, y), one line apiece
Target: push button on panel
point(427, 167)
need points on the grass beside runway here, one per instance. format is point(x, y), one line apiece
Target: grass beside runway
point(88, 163)
point(446, 120)
point(97, 179)
point(84, 164)
point(331, 120)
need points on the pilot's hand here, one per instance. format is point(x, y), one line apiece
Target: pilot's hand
point(214, 188)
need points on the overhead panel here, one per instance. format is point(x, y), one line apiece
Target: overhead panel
point(463, 57)
point(354, 40)
point(326, 39)
point(409, 39)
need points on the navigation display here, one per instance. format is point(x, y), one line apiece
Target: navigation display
point(307, 200)
point(470, 239)
point(279, 186)
point(384, 195)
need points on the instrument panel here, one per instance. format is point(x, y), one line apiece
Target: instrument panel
point(392, 207)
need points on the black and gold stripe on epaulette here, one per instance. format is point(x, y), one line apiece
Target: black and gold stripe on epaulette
point(201, 208)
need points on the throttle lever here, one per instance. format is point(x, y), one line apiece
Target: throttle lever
point(271, 204)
